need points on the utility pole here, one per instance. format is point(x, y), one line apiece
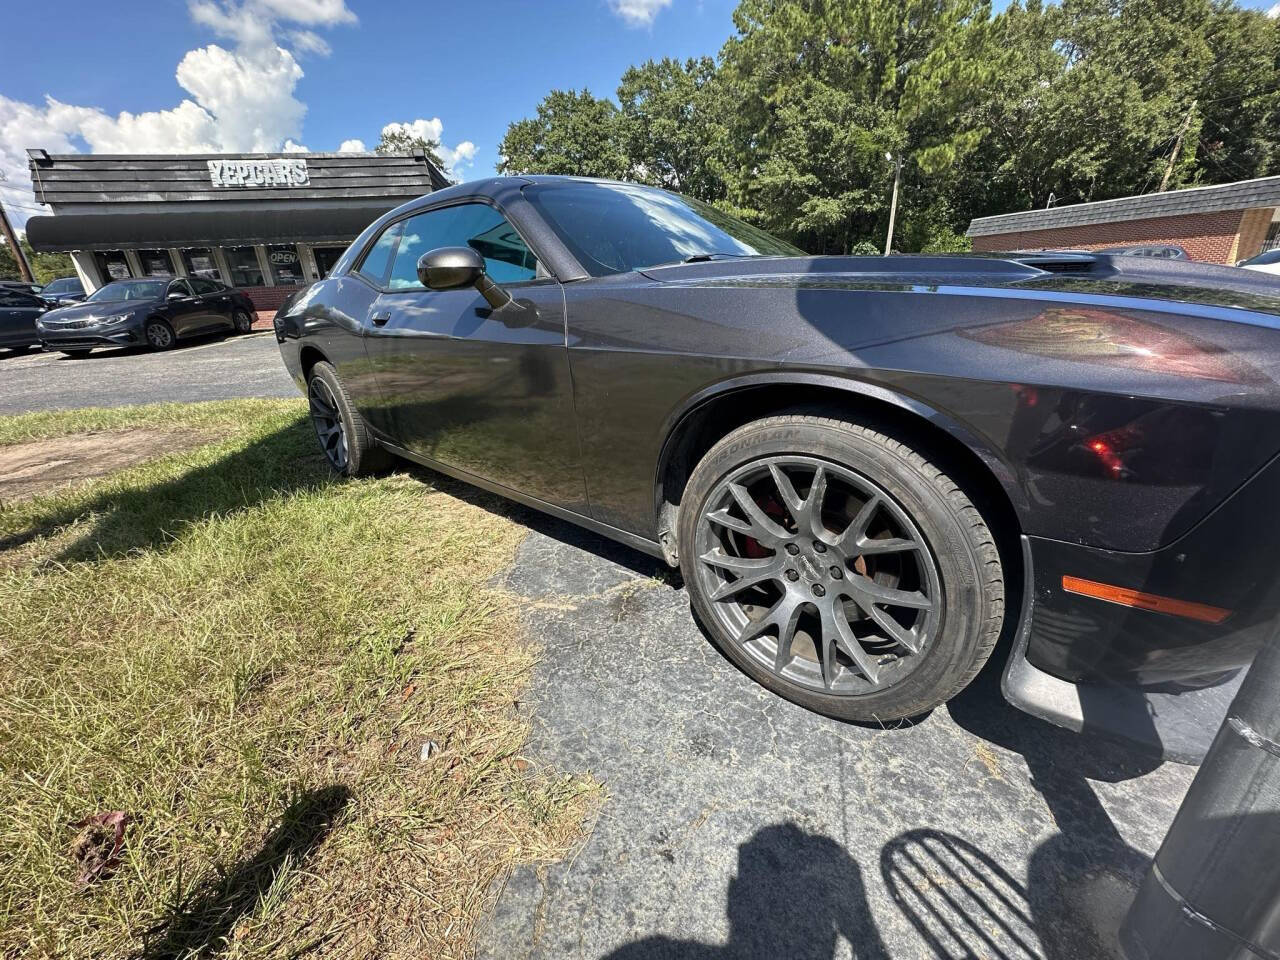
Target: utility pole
point(1177, 146)
point(12, 240)
point(893, 203)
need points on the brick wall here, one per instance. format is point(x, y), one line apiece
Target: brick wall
point(1210, 237)
point(268, 299)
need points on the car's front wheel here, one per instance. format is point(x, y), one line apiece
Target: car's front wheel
point(840, 567)
point(344, 437)
point(159, 334)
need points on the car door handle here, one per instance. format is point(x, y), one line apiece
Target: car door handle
point(380, 319)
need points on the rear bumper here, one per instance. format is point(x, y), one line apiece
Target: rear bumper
point(1161, 679)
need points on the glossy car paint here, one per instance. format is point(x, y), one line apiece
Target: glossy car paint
point(18, 314)
point(122, 323)
point(1128, 413)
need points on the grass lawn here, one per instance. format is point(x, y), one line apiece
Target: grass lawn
point(300, 690)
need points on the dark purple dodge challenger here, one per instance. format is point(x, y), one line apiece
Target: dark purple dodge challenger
point(869, 470)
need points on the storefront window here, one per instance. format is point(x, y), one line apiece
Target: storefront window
point(112, 265)
point(243, 262)
point(199, 262)
point(286, 266)
point(156, 263)
point(326, 257)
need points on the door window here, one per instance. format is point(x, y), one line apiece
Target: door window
point(374, 265)
point(15, 298)
point(204, 287)
point(245, 271)
point(286, 266)
point(474, 225)
point(180, 286)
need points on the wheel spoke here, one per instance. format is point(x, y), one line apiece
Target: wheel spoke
point(763, 529)
point(887, 545)
point(879, 593)
point(836, 633)
point(891, 627)
point(813, 502)
point(725, 519)
point(857, 529)
point(750, 571)
point(795, 503)
point(784, 614)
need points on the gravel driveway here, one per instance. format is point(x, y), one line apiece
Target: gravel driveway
point(740, 826)
point(244, 366)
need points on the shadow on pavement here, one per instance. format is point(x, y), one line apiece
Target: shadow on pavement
point(795, 895)
point(202, 923)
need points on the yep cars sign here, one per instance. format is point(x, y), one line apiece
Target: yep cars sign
point(259, 173)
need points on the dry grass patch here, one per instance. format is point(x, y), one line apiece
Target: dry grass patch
point(300, 690)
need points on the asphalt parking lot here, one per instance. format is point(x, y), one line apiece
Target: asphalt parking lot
point(741, 827)
point(207, 369)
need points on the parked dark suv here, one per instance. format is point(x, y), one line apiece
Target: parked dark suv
point(18, 313)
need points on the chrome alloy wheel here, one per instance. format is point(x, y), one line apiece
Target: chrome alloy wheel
point(818, 574)
point(328, 423)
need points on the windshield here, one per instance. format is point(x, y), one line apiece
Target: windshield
point(616, 227)
point(1266, 258)
point(129, 290)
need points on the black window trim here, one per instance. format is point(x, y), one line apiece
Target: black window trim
point(354, 269)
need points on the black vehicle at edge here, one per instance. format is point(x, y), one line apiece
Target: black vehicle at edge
point(865, 467)
point(152, 311)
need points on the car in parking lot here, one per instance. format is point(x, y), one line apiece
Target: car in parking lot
point(868, 469)
point(19, 311)
point(155, 312)
point(1266, 262)
point(63, 290)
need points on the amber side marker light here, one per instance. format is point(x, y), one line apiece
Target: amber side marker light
point(1145, 601)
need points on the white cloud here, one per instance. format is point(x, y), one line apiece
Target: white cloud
point(291, 147)
point(457, 159)
point(638, 13)
point(1274, 12)
point(241, 100)
point(353, 146)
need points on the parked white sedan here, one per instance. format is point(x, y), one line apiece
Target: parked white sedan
point(1268, 261)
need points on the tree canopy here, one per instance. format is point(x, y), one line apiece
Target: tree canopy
point(794, 124)
point(44, 266)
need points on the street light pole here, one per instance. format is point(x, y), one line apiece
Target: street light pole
point(893, 203)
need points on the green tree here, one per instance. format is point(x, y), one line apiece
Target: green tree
point(671, 126)
point(824, 90)
point(402, 141)
point(573, 133)
point(45, 266)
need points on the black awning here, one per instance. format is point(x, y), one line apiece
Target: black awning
point(201, 228)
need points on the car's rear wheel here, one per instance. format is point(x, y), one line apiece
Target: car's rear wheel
point(159, 334)
point(345, 439)
point(839, 567)
point(242, 321)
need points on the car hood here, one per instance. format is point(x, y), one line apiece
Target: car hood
point(1182, 281)
point(96, 311)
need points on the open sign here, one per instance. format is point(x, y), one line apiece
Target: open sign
point(282, 257)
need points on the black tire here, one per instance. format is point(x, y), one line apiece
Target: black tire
point(944, 532)
point(352, 452)
point(159, 335)
point(242, 321)
point(75, 354)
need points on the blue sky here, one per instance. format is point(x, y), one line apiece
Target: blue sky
point(258, 74)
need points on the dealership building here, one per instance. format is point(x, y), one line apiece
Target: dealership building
point(1224, 223)
point(265, 223)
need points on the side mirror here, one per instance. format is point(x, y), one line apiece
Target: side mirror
point(448, 268)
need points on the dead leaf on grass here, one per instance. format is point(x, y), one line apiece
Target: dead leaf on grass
point(96, 848)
